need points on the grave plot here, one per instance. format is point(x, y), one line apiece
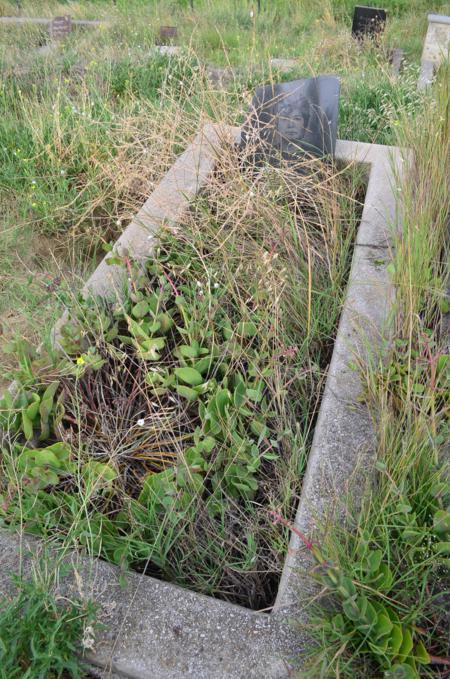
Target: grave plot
point(342, 439)
point(182, 413)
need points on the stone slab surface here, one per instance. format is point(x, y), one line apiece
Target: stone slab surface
point(166, 205)
point(42, 20)
point(154, 630)
point(435, 49)
point(397, 59)
point(284, 65)
point(166, 50)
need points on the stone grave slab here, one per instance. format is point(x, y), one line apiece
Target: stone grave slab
point(156, 630)
point(284, 65)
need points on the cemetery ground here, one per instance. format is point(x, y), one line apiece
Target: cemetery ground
point(88, 127)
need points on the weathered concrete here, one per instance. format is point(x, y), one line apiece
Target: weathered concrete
point(284, 65)
point(397, 57)
point(166, 50)
point(221, 77)
point(343, 447)
point(155, 630)
point(435, 49)
point(166, 205)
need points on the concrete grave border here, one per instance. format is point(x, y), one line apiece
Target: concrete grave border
point(47, 22)
point(435, 48)
point(156, 630)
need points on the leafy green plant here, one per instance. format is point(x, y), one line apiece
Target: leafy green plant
point(44, 466)
point(366, 620)
point(33, 413)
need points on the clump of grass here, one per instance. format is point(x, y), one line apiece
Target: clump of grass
point(79, 158)
point(373, 105)
point(40, 636)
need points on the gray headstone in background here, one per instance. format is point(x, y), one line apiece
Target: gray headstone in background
point(397, 57)
point(60, 27)
point(294, 118)
point(167, 34)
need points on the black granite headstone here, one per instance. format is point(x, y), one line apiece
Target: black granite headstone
point(293, 119)
point(368, 21)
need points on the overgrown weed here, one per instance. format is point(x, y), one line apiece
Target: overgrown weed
point(41, 634)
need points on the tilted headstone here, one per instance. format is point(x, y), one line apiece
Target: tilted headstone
point(294, 119)
point(60, 27)
point(368, 21)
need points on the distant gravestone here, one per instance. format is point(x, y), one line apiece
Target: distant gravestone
point(60, 27)
point(397, 57)
point(293, 119)
point(368, 22)
point(167, 34)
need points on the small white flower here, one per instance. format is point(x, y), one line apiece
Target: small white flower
point(119, 222)
point(216, 285)
point(33, 181)
point(63, 173)
point(88, 640)
point(140, 423)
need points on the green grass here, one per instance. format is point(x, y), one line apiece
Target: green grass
point(41, 636)
point(86, 130)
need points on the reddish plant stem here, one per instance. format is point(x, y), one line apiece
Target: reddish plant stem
point(439, 661)
point(174, 287)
